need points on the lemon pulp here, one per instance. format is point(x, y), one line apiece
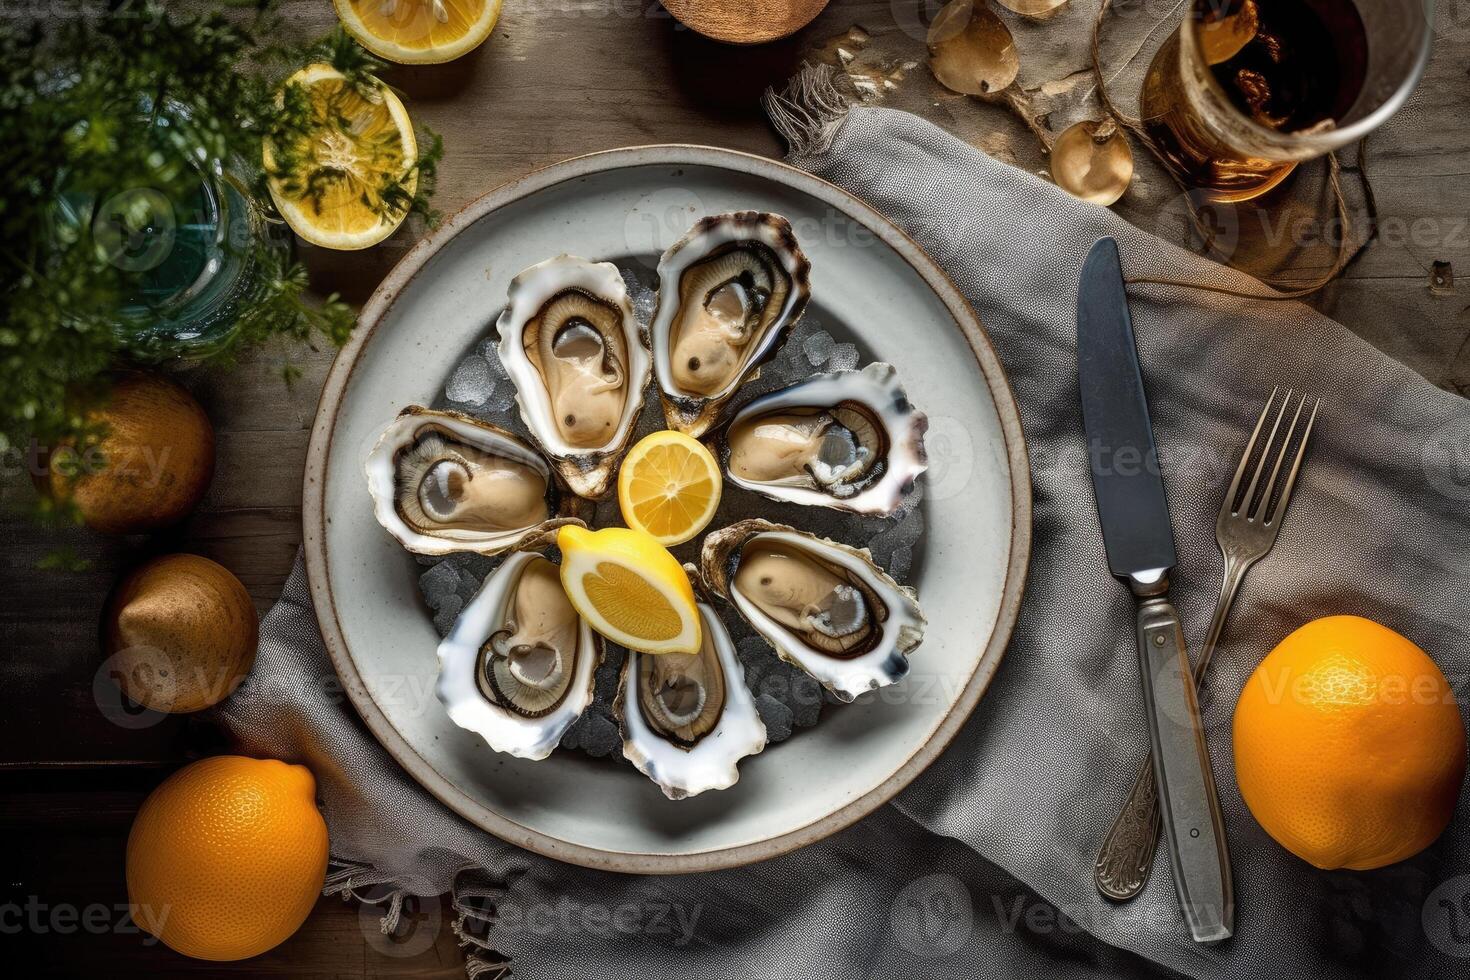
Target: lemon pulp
point(631, 604)
point(669, 486)
point(630, 589)
point(331, 178)
point(419, 31)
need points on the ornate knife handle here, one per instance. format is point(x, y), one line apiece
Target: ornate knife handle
point(1127, 852)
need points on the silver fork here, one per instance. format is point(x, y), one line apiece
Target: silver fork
point(1246, 529)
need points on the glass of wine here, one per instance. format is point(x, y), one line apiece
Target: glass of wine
point(1245, 90)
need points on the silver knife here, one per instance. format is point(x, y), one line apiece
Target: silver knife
point(1139, 540)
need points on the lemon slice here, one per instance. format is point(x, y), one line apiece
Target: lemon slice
point(328, 178)
point(419, 32)
point(669, 486)
point(629, 588)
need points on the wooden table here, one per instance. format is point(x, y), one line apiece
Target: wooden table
point(557, 80)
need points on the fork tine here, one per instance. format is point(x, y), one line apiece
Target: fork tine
point(1263, 509)
point(1296, 465)
point(1250, 492)
point(1245, 456)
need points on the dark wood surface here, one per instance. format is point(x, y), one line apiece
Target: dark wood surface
point(558, 79)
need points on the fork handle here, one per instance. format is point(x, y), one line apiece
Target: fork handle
point(1190, 811)
point(1127, 853)
point(1235, 570)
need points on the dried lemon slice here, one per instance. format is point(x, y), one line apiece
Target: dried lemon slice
point(669, 486)
point(419, 32)
point(629, 588)
point(333, 175)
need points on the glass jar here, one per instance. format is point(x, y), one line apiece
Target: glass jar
point(1244, 90)
point(196, 252)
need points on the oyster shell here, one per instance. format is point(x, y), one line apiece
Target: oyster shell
point(569, 341)
point(728, 293)
point(443, 482)
point(824, 606)
point(518, 667)
point(688, 719)
point(849, 440)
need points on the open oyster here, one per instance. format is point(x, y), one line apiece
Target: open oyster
point(824, 606)
point(687, 719)
point(443, 482)
point(518, 666)
point(728, 293)
point(570, 343)
point(849, 440)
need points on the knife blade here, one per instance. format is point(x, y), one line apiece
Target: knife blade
point(1133, 513)
point(1131, 505)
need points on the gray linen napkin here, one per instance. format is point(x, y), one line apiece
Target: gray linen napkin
point(884, 898)
point(1380, 526)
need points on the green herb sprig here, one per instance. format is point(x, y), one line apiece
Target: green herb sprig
point(80, 107)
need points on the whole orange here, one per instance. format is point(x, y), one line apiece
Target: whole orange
point(227, 857)
point(1349, 747)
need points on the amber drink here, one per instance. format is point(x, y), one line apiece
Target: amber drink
point(1245, 90)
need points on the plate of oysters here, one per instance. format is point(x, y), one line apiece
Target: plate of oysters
point(644, 338)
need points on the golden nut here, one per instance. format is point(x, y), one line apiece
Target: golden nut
point(181, 632)
point(152, 465)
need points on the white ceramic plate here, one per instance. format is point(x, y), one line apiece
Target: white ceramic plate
point(870, 282)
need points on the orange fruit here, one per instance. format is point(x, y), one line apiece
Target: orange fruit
point(1349, 746)
point(227, 857)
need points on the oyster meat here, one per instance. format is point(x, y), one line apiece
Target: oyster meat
point(823, 606)
point(849, 440)
point(518, 666)
point(688, 719)
point(443, 482)
point(570, 343)
point(729, 291)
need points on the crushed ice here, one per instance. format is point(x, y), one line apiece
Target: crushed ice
point(472, 383)
point(818, 348)
point(643, 297)
point(844, 358)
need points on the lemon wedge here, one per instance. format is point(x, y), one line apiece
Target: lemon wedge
point(419, 32)
point(328, 178)
point(669, 486)
point(629, 588)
